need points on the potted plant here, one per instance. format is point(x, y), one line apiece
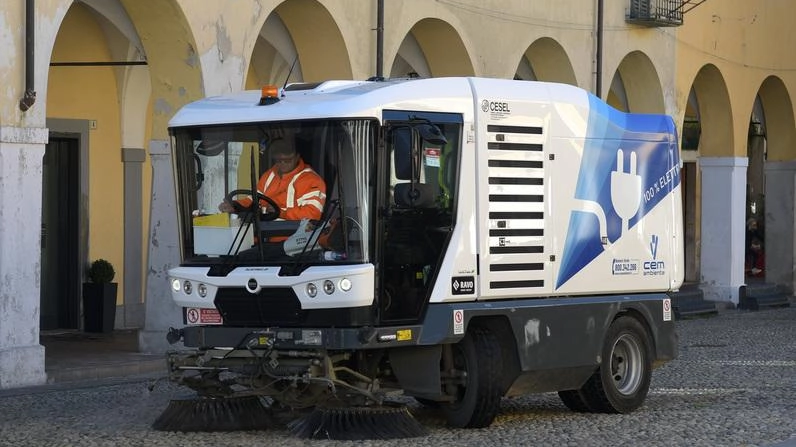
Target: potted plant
point(99, 297)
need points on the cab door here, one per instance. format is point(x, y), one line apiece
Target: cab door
point(417, 203)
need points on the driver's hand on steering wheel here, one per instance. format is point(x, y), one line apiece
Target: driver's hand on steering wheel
point(226, 207)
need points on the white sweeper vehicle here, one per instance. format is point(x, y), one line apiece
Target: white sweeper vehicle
point(480, 238)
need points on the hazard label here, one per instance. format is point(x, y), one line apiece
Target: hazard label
point(198, 315)
point(667, 309)
point(458, 322)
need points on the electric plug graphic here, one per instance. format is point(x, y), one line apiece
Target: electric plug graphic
point(625, 189)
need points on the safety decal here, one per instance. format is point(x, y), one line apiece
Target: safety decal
point(196, 315)
point(458, 322)
point(667, 309)
point(629, 165)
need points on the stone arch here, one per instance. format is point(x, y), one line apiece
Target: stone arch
point(780, 126)
point(715, 113)
point(109, 94)
point(546, 60)
point(772, 167)
point(175, 71)
point(307, 22)
point(274, 55)
point(432, 48)
point(636, 86)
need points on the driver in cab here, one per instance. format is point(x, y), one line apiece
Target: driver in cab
point(298, 190)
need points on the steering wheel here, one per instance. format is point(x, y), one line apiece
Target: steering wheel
point(268, 215)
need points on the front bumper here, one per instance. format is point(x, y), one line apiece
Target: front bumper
point(203, 337)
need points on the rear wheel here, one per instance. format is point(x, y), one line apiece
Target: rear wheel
point(478, 363)
point(623, 380)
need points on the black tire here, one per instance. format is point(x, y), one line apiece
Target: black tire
point(478, 356)
point(574, 400)
point(622, 382)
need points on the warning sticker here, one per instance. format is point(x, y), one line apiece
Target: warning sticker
point(198, 315)
point(667, 309)
point(432, 157)
point(458, 322)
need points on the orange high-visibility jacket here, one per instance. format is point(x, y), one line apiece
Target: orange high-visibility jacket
point(300, 194)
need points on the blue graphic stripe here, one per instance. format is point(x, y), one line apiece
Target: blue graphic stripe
point(652, 140)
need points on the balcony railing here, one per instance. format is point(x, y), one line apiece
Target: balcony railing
point(660, 12)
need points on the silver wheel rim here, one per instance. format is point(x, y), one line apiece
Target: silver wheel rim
point(627, 364)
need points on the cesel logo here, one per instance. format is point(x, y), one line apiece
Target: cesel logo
point(495, 106)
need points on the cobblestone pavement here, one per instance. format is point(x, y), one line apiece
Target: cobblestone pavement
point(733, 384)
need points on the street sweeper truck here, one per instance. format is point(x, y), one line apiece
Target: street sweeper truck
point(470, 239)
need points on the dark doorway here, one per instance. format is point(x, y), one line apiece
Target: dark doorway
point(60, 264)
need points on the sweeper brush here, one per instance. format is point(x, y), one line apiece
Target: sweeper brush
point(214, 414)
point(358, 423)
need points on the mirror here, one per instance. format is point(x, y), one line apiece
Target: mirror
point(402, 151)
point(408, 148)
point(432, 134)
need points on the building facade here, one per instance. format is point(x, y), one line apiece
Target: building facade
point(90, 85)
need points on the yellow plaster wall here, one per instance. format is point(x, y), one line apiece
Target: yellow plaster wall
point(746, 42)
point(171, 56)
point(90, 93)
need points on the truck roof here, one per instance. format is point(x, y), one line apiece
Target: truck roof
point(341, 99)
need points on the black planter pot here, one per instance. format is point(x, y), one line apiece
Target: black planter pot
point(99, 306)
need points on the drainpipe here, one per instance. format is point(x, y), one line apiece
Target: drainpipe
point(30, 93)
point(599, 56)
point(379, 38)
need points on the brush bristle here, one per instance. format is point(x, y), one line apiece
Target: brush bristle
point(358, 423)
point(205, 414)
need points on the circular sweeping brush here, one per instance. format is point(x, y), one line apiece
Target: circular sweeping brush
point(214, 414)
point(358, 423)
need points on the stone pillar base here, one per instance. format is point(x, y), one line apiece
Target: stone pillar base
point(22, 366)
point(730, 295)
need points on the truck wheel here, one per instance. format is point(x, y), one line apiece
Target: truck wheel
point(621, 383)
point(478, 357)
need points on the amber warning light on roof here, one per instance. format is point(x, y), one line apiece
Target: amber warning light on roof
point(270, 95)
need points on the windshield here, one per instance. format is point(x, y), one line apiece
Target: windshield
point(293, 192)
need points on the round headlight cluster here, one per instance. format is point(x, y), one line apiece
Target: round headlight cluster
point(187, 287)
point(329, 287)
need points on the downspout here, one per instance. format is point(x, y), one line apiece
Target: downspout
point(379, 39)
point(29, 98)
point(599, 56)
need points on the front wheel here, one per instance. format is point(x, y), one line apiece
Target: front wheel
point(478, 364)
point(622, 382)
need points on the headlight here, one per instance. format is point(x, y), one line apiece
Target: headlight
point(345, 284)
point(312, 290)
point(328, 287)
point(176, 285)
point(187, 287)
point(202, 289)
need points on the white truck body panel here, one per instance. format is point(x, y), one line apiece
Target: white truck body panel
point(585, 161)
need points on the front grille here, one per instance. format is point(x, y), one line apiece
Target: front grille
point(269, 307)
